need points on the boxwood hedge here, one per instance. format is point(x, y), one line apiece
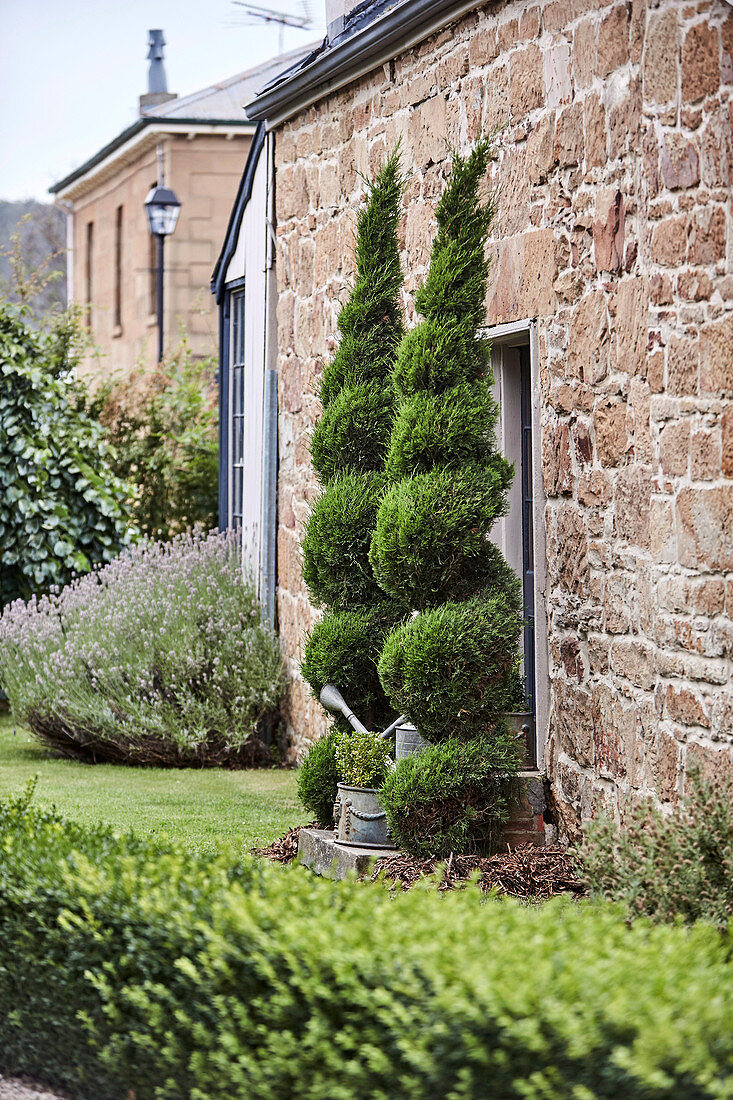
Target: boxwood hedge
point(128, 966)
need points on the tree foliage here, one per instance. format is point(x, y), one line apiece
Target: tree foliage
point(62, 507)
point(163, 425)
point(348, 450)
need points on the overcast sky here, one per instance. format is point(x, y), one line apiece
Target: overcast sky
point(71, 72)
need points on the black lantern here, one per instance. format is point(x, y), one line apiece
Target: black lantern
point(161, 209)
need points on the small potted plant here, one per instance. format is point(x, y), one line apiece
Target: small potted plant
point(362, 763)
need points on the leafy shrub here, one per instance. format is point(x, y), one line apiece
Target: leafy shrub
point(430, 543)
point(450, 429)
point(362, 759)
point(128, 965)
point(159, 658)
point(336, 565)
point(440, 353)
point(163, 425)
point(353, 433)
point(317, 779)
point(451, 797)
point(347, 451)
point(455, 669)
point(666, 867)
point(343, 648)
point(62, 509)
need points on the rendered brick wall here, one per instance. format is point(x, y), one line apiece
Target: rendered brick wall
point(613, 175)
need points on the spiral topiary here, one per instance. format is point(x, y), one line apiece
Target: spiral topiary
point(454, 665)
point(348, 451)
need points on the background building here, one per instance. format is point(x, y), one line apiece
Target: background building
point(203, 139)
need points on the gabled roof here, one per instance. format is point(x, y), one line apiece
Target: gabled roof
point(220, 105)
point(226, 100)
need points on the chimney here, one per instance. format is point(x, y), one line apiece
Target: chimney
point(157, 92)
point(336, 14)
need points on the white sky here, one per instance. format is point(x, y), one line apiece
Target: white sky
point(71, 72)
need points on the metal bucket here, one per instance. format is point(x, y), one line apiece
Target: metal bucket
point(408, 741)
point(359, 819)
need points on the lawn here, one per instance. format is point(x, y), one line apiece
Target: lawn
point(198, 806)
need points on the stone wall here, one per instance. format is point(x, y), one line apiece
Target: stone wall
point(613, 171)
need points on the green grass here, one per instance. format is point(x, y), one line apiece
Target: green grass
point(200, 807)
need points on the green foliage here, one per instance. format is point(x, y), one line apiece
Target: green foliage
point(671, 866)
point(343, 648)
point(62, 509)
point(370, 322)
point(159, 658)
point(362, 759)
point(353, 433)
point(430, 542)
point(452, 797)
point(336, 565)
point(455, 286)
point(127, 965)
point(317, 779)
point(438, 354)
point(454, 669)
point(452, 429)
point(163, 425)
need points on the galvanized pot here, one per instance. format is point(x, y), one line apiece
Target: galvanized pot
point(359, 819)
point(408, 741)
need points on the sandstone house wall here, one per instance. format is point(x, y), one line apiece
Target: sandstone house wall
point(614, 231)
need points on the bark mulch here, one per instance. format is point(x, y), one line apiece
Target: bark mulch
point(527, 872)
point(285, 849)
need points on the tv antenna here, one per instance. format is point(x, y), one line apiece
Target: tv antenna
point(254, 14)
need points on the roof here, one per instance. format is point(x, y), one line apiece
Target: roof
point(372, 34)
point(226, 100)
point(220, 104)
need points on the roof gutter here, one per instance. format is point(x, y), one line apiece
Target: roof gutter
point(401, 27)
point(132, 131)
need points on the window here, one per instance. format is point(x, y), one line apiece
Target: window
point(520, 533)
point(118, 269)
point(89, 272)
point(237, 408)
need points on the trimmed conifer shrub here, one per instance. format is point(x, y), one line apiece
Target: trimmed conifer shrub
point(317, 779)
point(343, 648)
point(452, 796)
point(454, 666)
point(348, 451)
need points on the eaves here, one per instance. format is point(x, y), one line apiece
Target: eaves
point(136, 139)
point(398, 28)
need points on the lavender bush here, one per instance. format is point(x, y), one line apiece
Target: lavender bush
point(157, 658)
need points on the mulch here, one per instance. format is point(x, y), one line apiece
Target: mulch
point(527, 872)
point(285, 849)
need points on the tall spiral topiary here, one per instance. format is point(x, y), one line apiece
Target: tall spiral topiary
point(453, 667)
point(348, 451)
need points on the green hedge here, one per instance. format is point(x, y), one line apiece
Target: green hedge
point(126, 965)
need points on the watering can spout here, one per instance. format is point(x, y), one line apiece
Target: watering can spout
point(332, 699)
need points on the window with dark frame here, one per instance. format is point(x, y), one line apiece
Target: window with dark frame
point(89, 272)
point(118, 269)
point(237, 407)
